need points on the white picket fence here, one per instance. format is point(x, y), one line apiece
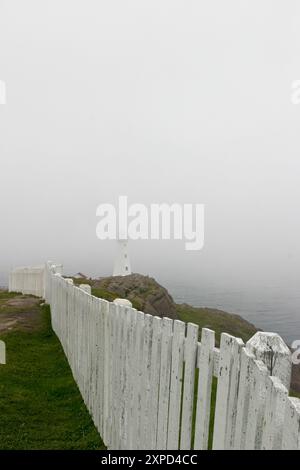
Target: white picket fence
point(148, 381)
point(28, 280)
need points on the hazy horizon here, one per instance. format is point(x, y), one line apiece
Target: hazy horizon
point(162, 101)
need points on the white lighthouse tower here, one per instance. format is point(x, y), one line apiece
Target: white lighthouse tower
point(122, 262)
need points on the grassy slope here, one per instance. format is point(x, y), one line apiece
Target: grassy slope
point(220, 322)
point(41, 407)
point(204, 317)
point(111, 296)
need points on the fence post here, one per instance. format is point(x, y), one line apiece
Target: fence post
point(226, 400)
point(276, 398)
point(190, 357)
point(272, 350)
point(123, 302)
point(2, 352)
point(86, 288)
point(205, 364)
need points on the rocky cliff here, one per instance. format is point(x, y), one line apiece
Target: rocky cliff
point(143, 291)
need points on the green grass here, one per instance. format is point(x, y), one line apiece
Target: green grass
point(4, 295)
point(104, 294)
point(111, 296)
point(294, 394)
point(41, 406)
point(220, 322)
point(81, 280)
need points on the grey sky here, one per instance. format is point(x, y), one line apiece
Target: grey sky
point(163, 101)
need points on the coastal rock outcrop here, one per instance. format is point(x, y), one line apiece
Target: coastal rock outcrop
point(145, 293)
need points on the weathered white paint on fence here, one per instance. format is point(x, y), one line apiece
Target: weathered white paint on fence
point(124, 302)
point(2, 352)
point(132, 372)
point(137, 374)
point(164, 384)
point(155, 374)
point(272, 350)
point(257, 403)
point(190, 356)
point(233, 392)
point(291, 427)
point(226, 391)
point(86, 287)
point(205, 364)
point(274, 415)
point(28, 280)
point(246, 375)
point(176, 385)
point(146, 395)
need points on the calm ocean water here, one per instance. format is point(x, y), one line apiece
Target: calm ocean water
point(271, 308)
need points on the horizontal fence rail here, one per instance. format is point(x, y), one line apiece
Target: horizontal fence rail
point(149, 383)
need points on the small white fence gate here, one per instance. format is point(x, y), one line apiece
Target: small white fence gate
point(148, 382)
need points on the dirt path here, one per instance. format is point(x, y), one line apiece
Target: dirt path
point(18, 312)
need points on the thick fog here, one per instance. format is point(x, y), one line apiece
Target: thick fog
point(163, 101)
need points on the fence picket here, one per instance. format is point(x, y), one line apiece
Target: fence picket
point(233, 392)
point(98, 404)
point(115, 380)
point(291, 427)
point(246, 374)
point(222, 392)
point(106, 337)
point(164, 384)
point(138, 370)
point(146, 385)
point(190, 356)
point(117, 393)
point(127, 377)
point(123, 378)
point(226, 390)
point(205, 362)
point(155, 372)
point(257, 404)
point(274, 415)
point(176, 384)
point(132, 376)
